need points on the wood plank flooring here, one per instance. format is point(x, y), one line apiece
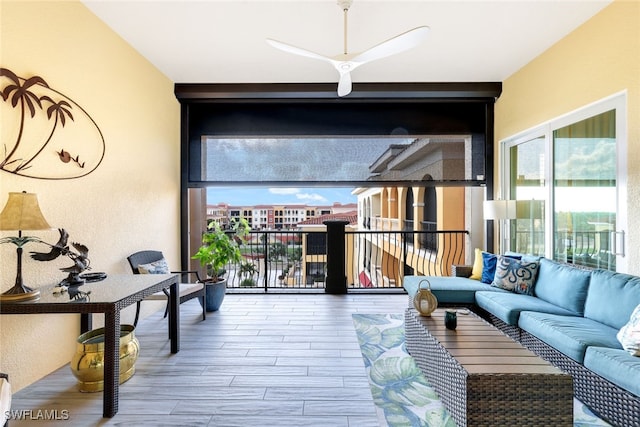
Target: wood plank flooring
point(262, 360)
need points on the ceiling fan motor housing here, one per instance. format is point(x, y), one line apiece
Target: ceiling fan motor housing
point(345, 4)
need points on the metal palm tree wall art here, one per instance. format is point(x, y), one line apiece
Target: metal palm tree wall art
point(45, 134)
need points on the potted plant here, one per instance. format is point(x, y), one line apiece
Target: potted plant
point(218, 249)
point(247, 271)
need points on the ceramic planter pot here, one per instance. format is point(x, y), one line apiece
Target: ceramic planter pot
point(215, 295)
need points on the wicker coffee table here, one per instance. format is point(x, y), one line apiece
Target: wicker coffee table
point(483, 377)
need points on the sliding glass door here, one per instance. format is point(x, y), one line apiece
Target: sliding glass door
point(566, 177)
point(527, 178)
point(584, 192)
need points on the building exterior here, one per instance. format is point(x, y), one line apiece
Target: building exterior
point(273, 217)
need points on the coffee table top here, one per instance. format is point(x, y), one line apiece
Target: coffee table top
point(480, 348)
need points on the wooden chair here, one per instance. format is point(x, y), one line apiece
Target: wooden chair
point(153, 262)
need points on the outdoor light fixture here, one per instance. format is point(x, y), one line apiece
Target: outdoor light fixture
point(499, 210)
point(21, 212)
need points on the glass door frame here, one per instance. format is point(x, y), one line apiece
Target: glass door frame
point(617, 102)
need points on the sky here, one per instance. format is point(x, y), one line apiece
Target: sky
point(249, 196)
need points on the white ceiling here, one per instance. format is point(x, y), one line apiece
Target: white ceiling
point(223, 41)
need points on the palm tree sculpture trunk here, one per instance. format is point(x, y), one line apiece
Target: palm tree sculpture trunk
point(23, 96)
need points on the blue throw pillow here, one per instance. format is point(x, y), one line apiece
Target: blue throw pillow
point(488, 267)
point(489, 262)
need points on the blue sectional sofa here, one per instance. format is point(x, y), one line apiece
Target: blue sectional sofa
point(571, 319)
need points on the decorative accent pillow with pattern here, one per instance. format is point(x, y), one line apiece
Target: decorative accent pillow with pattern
point(629, 335)
point(156, 267)
point(515, 275)
point(489, 262)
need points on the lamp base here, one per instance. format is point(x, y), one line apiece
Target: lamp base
point(19, 294)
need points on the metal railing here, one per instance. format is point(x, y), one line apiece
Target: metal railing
point(588, 248)
point(296, 260)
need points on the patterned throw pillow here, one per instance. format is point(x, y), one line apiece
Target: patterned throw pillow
point(156, 267)
point(489, 262)
point(629, 335)
point(515, 275)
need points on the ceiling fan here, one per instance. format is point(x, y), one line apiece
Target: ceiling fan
point(346, 62)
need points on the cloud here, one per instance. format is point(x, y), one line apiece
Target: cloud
point(306, 197)
point(311, 197)
point(284, 191)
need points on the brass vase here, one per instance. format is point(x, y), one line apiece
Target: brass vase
point(87, 363)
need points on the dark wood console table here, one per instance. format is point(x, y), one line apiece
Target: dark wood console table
point(109, 296)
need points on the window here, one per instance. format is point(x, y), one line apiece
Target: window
point(456, 118)
point(565, 177)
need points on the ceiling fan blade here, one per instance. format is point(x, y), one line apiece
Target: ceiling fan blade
point(397, 44)
point(344, 85)
point(297, 50)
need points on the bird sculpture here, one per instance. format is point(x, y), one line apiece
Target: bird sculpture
point(80, 258)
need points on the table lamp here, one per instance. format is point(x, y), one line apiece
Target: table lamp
point(499, 210)
point(21, 212)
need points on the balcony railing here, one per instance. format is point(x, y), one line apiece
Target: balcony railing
point(594, 249)
point(296, 260)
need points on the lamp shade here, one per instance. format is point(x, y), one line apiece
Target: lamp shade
point(499, 209)
point(530, 209)
point(22, 212)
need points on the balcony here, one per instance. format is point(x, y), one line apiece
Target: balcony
point(278, 260)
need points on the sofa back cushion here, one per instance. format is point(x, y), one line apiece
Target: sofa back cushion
point(612, 297)
point(523, 257)
point(563, 285)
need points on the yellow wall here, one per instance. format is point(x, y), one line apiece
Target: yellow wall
point(599, 59)
point(130, 202)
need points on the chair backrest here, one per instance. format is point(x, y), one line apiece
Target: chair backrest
point(143, 257)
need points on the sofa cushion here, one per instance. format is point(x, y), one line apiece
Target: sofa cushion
point(615, 365)
point(612, 297)
point(570, 335)
point(523, 257)
point(562, 285)
point(507, 306)
point(449, 290)
point(515, 275)
point(629, 335)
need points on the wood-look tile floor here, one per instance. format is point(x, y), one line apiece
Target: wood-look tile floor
point(262, 360)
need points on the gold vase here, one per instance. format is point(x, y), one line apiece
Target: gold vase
point(424, 300)
point(87, 363)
